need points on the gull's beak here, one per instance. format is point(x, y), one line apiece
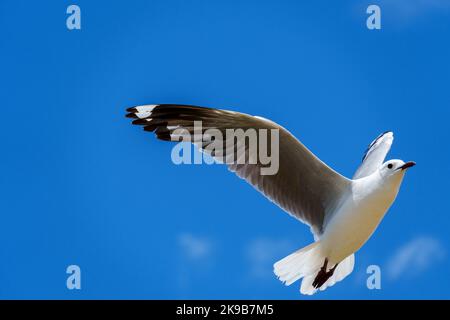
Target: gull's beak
point(407, 165)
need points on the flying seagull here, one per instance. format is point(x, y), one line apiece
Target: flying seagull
point(342, 213)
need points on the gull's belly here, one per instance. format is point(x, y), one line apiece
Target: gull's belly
point(352, 226)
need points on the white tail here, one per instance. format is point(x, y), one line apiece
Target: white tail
point(306, 263)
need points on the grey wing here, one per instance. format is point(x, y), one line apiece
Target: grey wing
point(375, 155)
point(303, 186)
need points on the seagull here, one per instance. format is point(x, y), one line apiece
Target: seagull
point(342, 213)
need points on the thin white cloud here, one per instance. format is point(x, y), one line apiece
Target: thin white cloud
point(403, 13)
point(195, 256)
point(264, 252)
point(415, 257)
point(409, 9)
point(194, 247)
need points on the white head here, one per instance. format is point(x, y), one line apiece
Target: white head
point(394, 170)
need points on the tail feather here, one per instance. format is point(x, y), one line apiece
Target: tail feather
point(299, 264)
point(307, 287)
point(306, 263)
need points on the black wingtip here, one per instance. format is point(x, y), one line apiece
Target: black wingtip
point(140, 122)
point(131, 115)
point(132, 109)
point(164, 135)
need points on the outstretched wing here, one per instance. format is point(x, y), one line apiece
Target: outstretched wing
point(375, 155)
point(304, 186)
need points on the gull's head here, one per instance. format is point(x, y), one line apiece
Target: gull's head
point(395, 168)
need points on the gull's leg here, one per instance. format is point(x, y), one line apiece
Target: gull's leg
point(323, 275)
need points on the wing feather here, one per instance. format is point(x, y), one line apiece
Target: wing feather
point(375, 155)
point(304, 186)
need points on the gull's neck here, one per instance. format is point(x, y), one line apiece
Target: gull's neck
point(377, 184)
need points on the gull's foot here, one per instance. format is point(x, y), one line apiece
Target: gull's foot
point(323, 275)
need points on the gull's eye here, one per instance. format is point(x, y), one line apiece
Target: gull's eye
point(390, 165)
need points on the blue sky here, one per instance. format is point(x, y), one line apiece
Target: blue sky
point(80, 185)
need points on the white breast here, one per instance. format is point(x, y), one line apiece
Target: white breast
point(357, 218)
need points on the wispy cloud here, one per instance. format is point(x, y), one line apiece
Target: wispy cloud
point(264, 252)
point(403, 13)
point(194, 247)
point(410, 9)
point(415, 257)
point(195, 257)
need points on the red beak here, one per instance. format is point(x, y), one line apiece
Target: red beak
point(408, 165)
